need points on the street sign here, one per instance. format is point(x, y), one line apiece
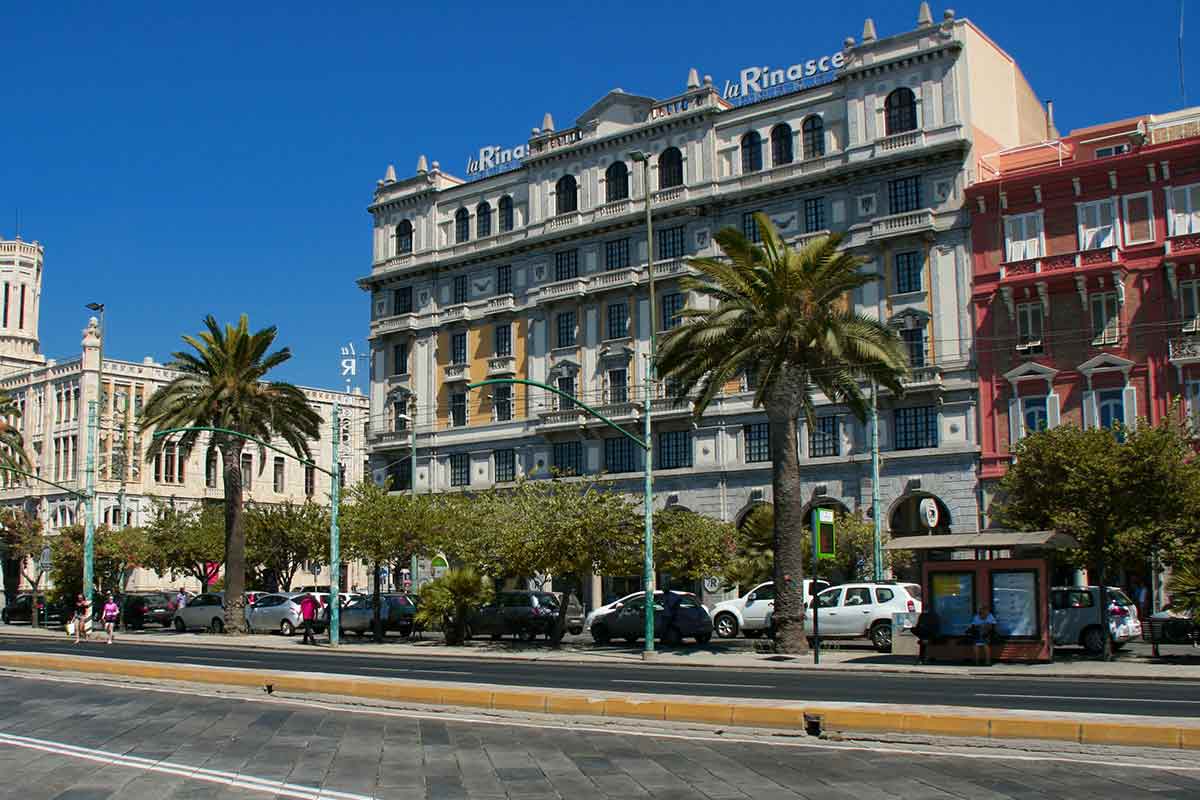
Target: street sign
point(826, 541)
point(929, 512)
point(45, 562)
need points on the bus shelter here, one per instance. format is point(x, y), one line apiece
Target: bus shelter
point(1009, 571)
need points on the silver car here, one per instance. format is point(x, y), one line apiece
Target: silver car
point(275, 612)
point(203, 612)
point(1075, 617)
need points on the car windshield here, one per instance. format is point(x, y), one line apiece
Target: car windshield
point(914, 591)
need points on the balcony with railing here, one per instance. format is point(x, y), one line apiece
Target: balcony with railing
point(498, 366)
point(903, 224)
point(1102, 257)
point(455, 373)
point(560, 221)
point(500, 304)
point(615, 208)
point(1184, 244)
point(626, 276)
point(560, 289)
point(900, 141)
point(454, 313)
point(672, 195)
point(1184, 350)
point(923, 371)
point(393, 323)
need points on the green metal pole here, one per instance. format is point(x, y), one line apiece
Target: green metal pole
point(412, 443)
point(814, 527)
point(648, 499)
point(89, 522)
point(335, 555)
point(878, 559)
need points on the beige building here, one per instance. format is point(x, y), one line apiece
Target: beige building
point(54, 396)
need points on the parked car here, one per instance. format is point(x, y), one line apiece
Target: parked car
point(525, 614)
point(613, 606)
point(750, 614)
point(52, 615)
point(863, 610)
point(275, 612)
point(396, 613)
point(1171, 626)
point(142, 608)
point(1075, 617)
point(573, 616)
point(691, 620)
point(203, 612)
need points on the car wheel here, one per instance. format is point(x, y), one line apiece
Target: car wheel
point(575, 631)
point(287, 628)
point(601, 634)
point(881, 636)
point(1093, 640)
point(726, 625)
point(704, 638)
point(217, 625)
point(179, 626)
point(526, 634)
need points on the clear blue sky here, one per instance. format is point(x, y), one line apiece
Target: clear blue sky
point(186, 158)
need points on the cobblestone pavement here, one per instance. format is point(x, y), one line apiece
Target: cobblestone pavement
point(91, 741)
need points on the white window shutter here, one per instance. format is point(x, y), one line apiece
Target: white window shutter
point(1089, 410)
point(1033, 230)
point(1014, 422)
point(1052, 411)
point(1129, 403)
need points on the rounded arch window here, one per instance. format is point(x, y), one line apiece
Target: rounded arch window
point(616, 182)
point(900, 111)
point(813, 133)
point(752, 152)
point(566, 195)
point(506, 214)
point(483, 220)
point(781, 144)
point(404, 237)
point(462, 226)
point(670, 168)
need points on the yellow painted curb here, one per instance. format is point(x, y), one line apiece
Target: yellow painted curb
point(979, 724)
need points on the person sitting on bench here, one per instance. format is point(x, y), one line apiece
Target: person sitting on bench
point(983, 625)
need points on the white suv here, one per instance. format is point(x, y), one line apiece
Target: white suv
point(858, 610)
point(751, 613)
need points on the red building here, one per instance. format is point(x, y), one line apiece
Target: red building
point(1086, 287)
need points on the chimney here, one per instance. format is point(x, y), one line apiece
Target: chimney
point(868, 31)
point(1049, 120)
point(924, 16)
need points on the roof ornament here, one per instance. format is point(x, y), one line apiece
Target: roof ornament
point(548, 123)
point(868, 31)
point(693, 79)
point(390, 175)
point(422, 165)
point(436, 167)
point(708, 80)
point(924, 16)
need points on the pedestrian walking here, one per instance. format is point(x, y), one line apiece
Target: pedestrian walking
point(308, 612)
point(181, 598)
point(111, 612)
point(80, 619)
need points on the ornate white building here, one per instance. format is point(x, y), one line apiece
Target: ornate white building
point(535, 266)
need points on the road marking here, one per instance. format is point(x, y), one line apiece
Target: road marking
point(694, 683)
point(1083, 697)
point(267, 786)
point(409, 669)
point(548, 721)
point(229, 660)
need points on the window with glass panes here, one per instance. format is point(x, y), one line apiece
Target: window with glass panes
point(566, 385)
point(914, 343)
point(404, 237)
point(483, 220)
point(1106, 318)
point(1023, 236)
point(616, 254)
point(1029, 327)
point(618, 386)
point(566, 265)
point(460, 469)
point(752, 160)
point(458, 348)
point(458, 409)
point(1034, 414)
point(674, 449)
point(506, 214)
point(618, 455)
point(565, 329)
point(399, 416)
point(502, 402)
point(616, 182)
point(916, 427)
point(1096, 224)
point(1189, 300)
point(813, 130)
point(670, 243)
point(618, 320)
point(750, 227)
point(672, 304)
point(908, 271)
point(402, 300)
point(462, 226)
point(506, 465)
point(277, 475)
point(247, 470)
point(904, 194)
point(823, 440)
point(1183, 210)
point(503, 339)
point(757, 436)
point(568, 457)
point(814, 214)
point(460, 289)
point(504, 280)
point(400, 359)
point(310, 480)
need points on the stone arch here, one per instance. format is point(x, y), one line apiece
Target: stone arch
point(903, 520)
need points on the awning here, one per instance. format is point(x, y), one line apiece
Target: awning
point(995, 540)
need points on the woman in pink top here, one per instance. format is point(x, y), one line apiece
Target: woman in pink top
point(111, 612)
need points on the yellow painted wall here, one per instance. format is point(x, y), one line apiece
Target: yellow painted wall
point(442, 419)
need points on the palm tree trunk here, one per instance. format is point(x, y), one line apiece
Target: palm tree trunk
point(235, 539)
point(782, 410)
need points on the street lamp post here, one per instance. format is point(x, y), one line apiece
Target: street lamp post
point(89, 523)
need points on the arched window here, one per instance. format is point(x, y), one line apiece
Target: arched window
point(404, 238)
point(900, 110)
point(506, 214)
point(814, 137)
point(751, 152)
point(566, 195)
point(616, 182)
point(781, 144)
point(670, 168)
point(462, 226)
point(483, 220)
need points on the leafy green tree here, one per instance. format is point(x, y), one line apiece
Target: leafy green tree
point(116, 553)
point(786, 317)
point(222, 386)
point(281, 537)
point(22, 540)
point(447, 602)
point(691, 545)
point(186, 539)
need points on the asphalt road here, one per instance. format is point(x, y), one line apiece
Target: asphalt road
point(82, 740)
point(1146, 698)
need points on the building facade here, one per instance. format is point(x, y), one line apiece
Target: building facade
point(1087, 295)
point(20, 299)
point(535, 266)
point(54, 396)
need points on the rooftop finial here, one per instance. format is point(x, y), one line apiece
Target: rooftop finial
point(548, 123)
point(869, 30)
point(390, 175)
point(422, 165)
point(693, 79)
point(924, 16)
point(437, 167)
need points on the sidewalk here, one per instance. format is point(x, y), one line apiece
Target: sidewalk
point(1180, 663)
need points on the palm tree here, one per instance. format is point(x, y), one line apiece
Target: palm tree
point(222, 386)
point(786, 317)
point(12, 444)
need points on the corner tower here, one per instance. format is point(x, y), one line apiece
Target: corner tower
point(20, 298)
